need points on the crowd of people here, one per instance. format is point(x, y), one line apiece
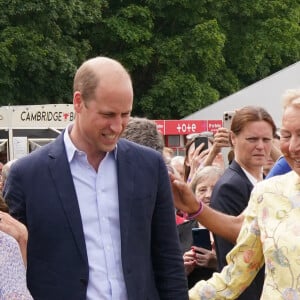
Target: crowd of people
point(265, 232)
point(111, 212)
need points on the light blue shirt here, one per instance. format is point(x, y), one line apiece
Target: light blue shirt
point(97, 194)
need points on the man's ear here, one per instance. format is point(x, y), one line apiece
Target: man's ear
point(77, 102)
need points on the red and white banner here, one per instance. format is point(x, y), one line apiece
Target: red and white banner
point(184, 127)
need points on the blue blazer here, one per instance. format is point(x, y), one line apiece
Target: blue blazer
point(231, 195)
point(40, 193)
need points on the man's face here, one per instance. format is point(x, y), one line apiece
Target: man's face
point(290, 137)
point(102, 120)
point(252, 146)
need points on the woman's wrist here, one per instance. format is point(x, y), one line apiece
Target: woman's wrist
point(22, 235)
point(194, 215)
point(22, 241)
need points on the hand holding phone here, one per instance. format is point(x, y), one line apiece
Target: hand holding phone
point(199, 140)
point(201, 238)
point(227, 118)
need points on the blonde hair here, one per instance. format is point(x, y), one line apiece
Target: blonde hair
point(6, 168)
point(3, 205)
point(291, 98)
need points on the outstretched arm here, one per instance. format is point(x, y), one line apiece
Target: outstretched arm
point(221, 139)
point(221, 224)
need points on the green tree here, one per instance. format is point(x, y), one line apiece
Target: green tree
point(183, 54)
point(171, 49)
point(41, 44)
point(262, 37)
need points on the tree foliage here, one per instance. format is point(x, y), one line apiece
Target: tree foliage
point(40, 45)
point(262, 36)
point(182, 54)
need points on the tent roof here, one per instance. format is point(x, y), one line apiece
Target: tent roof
point(266, 93)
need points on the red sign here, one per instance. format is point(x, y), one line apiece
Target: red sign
point(213, 125)
point(185, 127)
point(160, 124)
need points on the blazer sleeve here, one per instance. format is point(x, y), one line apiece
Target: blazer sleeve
point(230, 197)
point(166, 254)
point(13, 194)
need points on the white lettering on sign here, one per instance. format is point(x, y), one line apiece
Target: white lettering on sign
point(214, 126)
point(47, 116)
point(186, 128)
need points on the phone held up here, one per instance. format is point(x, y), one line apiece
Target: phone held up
point(201, 139)
point(227, 118)
point(201, 238)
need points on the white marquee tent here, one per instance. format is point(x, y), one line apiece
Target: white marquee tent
point(266, 93)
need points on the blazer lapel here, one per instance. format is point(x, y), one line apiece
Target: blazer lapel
point(237, 168)
point(61, 175)
point(126, 174)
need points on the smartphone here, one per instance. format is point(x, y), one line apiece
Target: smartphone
point(201, 139)
point(227, 118)
point(201, 238)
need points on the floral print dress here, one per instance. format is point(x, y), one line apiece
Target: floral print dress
point(270, 234)
point(12, 270)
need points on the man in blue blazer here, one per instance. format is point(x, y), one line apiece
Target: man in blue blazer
point(98, 208)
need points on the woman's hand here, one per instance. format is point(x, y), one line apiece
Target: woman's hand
point(197, 160)
point(205, 258)
point(15, 229)
point(221, 139)
point(183, 197)
point(189, 261)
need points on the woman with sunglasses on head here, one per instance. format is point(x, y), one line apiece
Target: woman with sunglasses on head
point(198, 157)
